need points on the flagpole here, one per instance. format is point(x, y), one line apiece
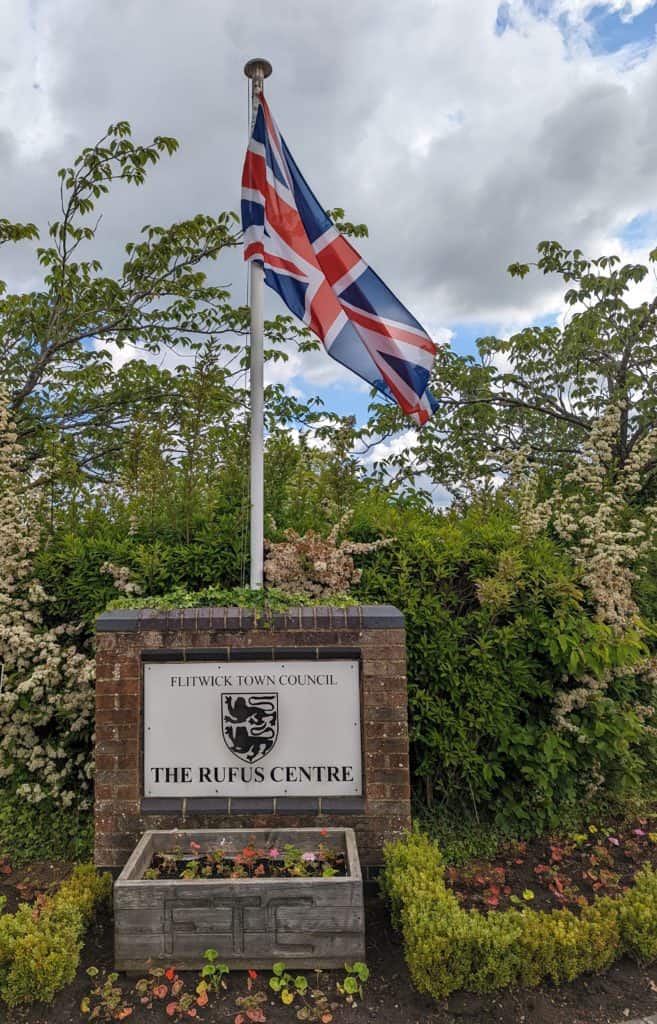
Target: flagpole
point(257, 70)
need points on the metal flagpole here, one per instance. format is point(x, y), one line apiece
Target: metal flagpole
point(257, 70)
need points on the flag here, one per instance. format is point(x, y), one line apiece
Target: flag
point(323, 280)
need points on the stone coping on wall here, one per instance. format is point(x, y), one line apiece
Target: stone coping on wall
point(229, 619)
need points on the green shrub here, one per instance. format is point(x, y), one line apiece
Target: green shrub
point(500, 634)
point(42, 831)
point(269, 600)
point(40, 946)
point(639, 917)
point(449, 948)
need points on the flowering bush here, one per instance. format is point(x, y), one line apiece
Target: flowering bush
point(596, 515)
point(46, 695)
point(315, 565)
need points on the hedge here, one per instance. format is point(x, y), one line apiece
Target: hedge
point(40, 944)
point(448, 948)
point(499, 631)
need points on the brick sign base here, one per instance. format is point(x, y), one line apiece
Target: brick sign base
point(126, 640)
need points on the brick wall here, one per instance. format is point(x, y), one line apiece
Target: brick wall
point(125, 639)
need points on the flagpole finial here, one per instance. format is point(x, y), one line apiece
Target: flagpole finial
point(258, 69)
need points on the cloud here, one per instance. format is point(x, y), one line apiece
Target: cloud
point(460, 146)
point(120, 355)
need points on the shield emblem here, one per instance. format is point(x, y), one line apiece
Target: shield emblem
point(249, 724)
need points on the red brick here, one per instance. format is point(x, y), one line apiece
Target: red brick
point(389, 808)
point(400, 760)
point(128, 792)
point(127, 761)
point(114, 777)
point(385, 669)
point(104, 700)
point(119, 732)
point(381, 714)
point(385, 691)
point(124, 717)
point(121, 688)
point(109, 747)
point(401, 791)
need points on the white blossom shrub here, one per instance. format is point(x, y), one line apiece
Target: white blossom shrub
point(316, 566)
point(595, 514)
point(121, 577)
point(47, 697)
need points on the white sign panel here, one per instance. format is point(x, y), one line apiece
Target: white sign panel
point(252, 728)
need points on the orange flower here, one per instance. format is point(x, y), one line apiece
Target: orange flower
point(252, 974)
point(170, 973)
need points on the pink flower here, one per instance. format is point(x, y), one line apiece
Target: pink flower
point(613, 840)
point(274, 853)
point(308, 856)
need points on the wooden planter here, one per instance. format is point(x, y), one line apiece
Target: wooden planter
point(251, 922)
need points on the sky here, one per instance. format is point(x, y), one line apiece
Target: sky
point(462, 132)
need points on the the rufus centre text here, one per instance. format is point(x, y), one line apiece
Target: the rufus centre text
point(278, 773)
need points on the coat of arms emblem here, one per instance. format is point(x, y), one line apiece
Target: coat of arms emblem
point(249, 724)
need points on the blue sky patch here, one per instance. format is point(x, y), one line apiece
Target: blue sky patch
point(641, 230)
point(611, 32)
point(503, 19)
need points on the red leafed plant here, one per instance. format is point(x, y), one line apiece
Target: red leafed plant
point(168, 985)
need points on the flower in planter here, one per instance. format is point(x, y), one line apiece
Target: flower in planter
point(249, 862)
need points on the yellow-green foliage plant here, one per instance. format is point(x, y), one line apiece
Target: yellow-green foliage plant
point(449, 948)
point(639, 917)
point(40, 946)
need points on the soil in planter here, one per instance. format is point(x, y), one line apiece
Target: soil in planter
point(558, 872)
point(250, 862)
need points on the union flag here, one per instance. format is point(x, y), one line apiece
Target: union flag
point(323, 280)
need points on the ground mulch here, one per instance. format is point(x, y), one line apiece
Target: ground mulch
point(551, 873)
point(546, 874)
point(21, 885)
point(624, 992)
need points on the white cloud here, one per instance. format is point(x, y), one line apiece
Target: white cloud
point(460, 147)
point(120, 355)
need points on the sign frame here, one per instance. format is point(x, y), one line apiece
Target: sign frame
point(305, 775)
